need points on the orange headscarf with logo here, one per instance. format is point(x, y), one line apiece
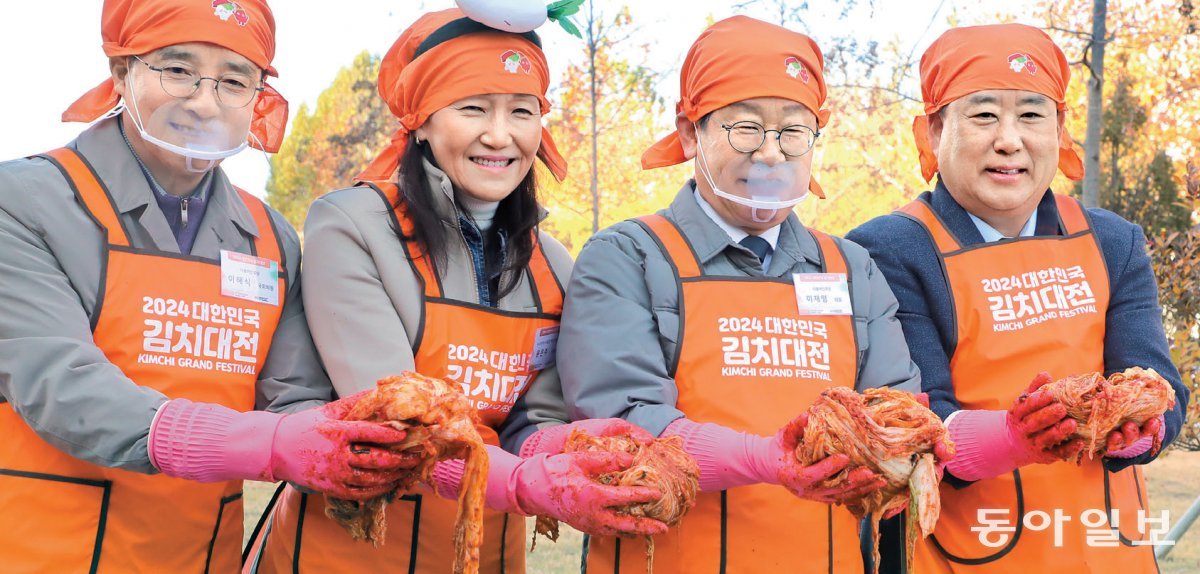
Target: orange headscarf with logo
point(996, 57)
point(137, 27)
point(738, 59)
point(483, 61)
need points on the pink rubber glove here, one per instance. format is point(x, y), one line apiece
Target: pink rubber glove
point(312, 449)
point(550, 440)
point(560, 486)
point(802, 480)
point(1131, 441)
point(1034, 430)
point(941, 452)
point(728, 458)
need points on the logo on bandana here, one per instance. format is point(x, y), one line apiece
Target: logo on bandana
point(796, 69)
point(514, 61)
point(223, 9)
point(1019, 62)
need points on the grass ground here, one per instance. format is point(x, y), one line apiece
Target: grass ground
point(1174, 484)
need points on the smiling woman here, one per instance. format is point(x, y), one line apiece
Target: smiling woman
point(486, 143)
point(435, 264)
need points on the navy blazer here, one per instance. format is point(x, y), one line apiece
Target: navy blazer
point(1133, 331)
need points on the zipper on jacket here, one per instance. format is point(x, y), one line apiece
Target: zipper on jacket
point(471, 256)
point(183, 211)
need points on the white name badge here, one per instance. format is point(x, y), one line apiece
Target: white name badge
point(822, 293)
point(249, 277)
point(545, 344)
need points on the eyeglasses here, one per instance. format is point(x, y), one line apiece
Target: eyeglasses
point(794, 141)
point(233, 90)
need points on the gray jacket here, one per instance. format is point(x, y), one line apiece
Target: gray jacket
point(364, 300)
point(621, 317)
point(51, 371)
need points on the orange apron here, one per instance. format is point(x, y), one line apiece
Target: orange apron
point(162, 319)
point(1023, 306)
point(492, 354)
point(747, 360)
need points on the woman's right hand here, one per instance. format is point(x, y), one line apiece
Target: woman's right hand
point(565, 487)
point(550, 440)
point(804, 480)
point(352, 460)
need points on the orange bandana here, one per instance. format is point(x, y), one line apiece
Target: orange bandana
point(738, 59)
point(481, 61)
point(997, 57)
point(137, 27)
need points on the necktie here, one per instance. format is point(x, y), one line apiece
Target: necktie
point(758, 245)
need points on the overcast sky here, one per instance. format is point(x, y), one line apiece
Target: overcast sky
point(52, 51)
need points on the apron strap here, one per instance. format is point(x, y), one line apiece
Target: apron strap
point(90, 193)
point(267, 244)
point(1071, 213)
point(920, 212)
point(832, 258)
point(674, 245)
point(546, 285)
point(422, 265)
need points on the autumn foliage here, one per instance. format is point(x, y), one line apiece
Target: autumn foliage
point(1176, 256)
point(607, 113)
point(329, 145)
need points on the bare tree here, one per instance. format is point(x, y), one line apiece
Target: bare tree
point(593, 38)
point(603, 35)
point(1095, 65)
point(1092, 60)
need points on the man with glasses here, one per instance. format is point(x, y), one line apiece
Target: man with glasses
point(148, 305)
point(721, 318)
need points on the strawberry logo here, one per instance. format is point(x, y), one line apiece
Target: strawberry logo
point(514, 61)
point(796, 69)
point(224, 9)
point(1018, 62)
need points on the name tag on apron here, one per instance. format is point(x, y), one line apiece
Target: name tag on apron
point(822, 293)
point(545, 343)
point(249, 277)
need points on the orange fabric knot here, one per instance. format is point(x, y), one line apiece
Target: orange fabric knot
point(687, 108)
point(269, 121)
point(388, 161)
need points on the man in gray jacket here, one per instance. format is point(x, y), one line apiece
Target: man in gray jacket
point(722, 318)
point(148, 304)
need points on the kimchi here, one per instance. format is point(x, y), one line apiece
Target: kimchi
point(439, 423)
point(658, 463)
point(890, 433)
point(1101, 405)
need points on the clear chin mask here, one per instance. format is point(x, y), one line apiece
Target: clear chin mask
point(767, 188)
point(175, 128)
